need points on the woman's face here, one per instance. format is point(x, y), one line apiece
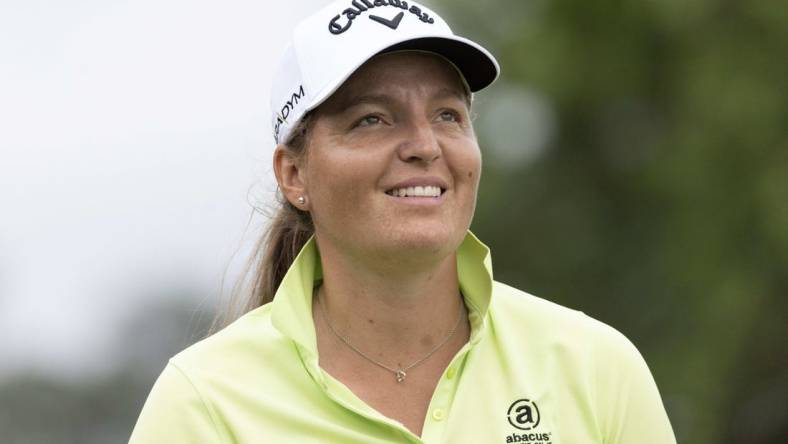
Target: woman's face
point(400, 126)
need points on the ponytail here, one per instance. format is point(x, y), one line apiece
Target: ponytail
point(289, 231)
point(275, 251)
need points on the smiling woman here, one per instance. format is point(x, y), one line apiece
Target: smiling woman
point(374, 316)
point(399, 124)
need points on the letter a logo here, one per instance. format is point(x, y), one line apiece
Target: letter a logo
point(523, 414)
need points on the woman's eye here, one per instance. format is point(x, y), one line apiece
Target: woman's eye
point(449, 116)
point(369, 120)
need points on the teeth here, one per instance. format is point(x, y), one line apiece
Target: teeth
point(428, 191)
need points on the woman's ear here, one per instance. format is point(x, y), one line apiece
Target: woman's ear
point(290, 177)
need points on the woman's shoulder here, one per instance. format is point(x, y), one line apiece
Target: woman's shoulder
point(555, 324)
point(247, 363)
point(511, 302)
point(252, 335)
point(566, 348)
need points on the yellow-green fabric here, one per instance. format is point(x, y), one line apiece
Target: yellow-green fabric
point(533, 372)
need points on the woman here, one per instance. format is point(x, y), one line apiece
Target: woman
point(387, 326)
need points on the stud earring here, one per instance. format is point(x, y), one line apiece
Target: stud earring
point(301, 200)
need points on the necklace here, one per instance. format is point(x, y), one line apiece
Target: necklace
point(399, 373)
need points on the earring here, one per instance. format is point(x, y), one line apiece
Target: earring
point(301, 200)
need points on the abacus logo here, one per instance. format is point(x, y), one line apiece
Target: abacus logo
point(524, 414)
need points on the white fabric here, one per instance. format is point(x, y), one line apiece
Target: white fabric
point(327, 47)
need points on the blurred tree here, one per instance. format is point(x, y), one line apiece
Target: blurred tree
point(45, 409)
point(636, 168)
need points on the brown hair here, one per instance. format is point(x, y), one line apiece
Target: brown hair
point(275, 251)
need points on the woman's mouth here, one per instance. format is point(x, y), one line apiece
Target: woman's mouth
point(426, 191)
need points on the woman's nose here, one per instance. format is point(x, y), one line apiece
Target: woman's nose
point(420, 143)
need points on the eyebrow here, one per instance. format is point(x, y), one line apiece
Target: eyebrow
point(449, 92)
point(372, 99)
point(385, 99)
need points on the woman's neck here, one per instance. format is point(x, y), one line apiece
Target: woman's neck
point(403, 308)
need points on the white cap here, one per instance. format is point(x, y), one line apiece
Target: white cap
point(327, 47)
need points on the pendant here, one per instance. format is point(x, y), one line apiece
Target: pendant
point(400, 375)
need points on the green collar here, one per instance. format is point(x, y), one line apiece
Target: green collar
point(291, 311)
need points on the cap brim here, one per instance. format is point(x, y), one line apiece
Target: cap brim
point(476, 64)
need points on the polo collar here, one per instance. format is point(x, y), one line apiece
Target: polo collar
point(291, 311)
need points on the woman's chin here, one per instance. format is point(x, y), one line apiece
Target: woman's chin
point(424, 242)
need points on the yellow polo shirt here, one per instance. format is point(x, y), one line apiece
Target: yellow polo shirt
point(533, 372)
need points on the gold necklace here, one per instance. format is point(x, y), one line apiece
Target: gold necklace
point(399, 373)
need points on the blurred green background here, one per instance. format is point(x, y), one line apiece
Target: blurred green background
point(636, 168)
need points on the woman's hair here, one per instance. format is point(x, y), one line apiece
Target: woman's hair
point(274, 252)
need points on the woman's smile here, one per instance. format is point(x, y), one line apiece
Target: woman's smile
point(423, 191)
point(393, 160)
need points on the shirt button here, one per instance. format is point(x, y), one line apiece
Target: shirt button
point(438, 414)
point(450, 374)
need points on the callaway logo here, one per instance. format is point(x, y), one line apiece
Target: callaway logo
point(360, 6)
point(393, 24)
point(281, 116)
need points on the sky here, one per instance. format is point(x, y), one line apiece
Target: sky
point(133, 137)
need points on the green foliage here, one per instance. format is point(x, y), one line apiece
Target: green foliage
point(659, 201)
